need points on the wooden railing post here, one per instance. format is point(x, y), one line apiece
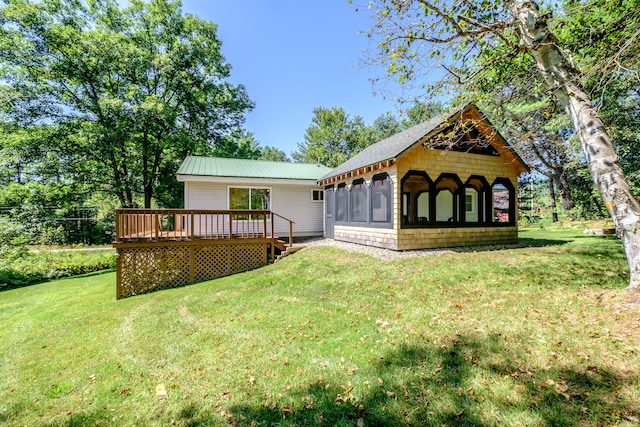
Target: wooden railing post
point(157, 227)
point(272, 229)
point(290, 233)
point(117, 225)
point(264, 225)
point(193, 228)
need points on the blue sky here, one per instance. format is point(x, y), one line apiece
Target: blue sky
point(293, 56)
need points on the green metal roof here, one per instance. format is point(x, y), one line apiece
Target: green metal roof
point(236, 168)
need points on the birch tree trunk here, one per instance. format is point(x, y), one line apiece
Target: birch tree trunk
point(535, 37)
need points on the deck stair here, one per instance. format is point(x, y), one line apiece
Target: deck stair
point(290, 250)
point(281, 245)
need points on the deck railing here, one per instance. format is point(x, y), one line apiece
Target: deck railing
point(154, 225)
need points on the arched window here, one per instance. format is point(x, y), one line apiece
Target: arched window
point(416, 198)
point(381, 197)
point(503, 201)
point(447, 206)
point(359, 201)
point(476, 190)
point(342, 203)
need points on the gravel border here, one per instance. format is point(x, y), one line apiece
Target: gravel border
point(380, 253)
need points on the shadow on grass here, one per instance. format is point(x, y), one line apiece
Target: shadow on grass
point(467, 381)
point(463, 380)
point(523, 242)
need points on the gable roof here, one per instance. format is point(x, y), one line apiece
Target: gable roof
point(393, 146)
point(244, 168)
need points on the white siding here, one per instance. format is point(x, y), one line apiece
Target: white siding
point(205, 195)
point(294, 203)
point(291, 201)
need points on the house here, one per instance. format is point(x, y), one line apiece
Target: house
point(287, 189)
point(450, 181)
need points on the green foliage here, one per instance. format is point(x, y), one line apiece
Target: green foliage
point(332, 138)
point(421, 112)
point(13, 240)
point(273, 154)
point(604, 38)
point(384, 126)
point(128, 92)
point(53, 213)
point(477, 43)
point(36, 267)
point(238, 145)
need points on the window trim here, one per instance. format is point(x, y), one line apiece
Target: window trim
point(364, 206)
point(337, 192)
point(250, 187)
point(457, 204)
point(389, 208)
point(505, 182)
point(318, 191)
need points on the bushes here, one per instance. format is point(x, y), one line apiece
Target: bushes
point(13, 239)
point(35, 267)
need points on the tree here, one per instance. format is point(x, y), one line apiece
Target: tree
point(540, 133)
point(456, 34)
point(273, 154)
point(384, 126)
point(332, 138)
point(238, 145)
point(135, 88)
point(421, 112)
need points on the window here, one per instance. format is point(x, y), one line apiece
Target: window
point(448, 198)
point(501, 203)
point(471, 205)
point(381, 195)
point(422, 208)
point(416, 193)
point(358, 201)
point(475, 194)
point(342, 203)
point(250, 198)
point(405, 206)
point(317, 195)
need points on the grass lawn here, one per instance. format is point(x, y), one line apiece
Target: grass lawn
point(537, 335)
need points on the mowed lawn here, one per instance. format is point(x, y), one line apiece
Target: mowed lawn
point(534, 335)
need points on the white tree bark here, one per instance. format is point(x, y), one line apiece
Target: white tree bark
point(535, 37)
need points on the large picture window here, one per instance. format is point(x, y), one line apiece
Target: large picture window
point(246, 198)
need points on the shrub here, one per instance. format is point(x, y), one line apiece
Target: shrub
point(36, 267)
point(13, 239)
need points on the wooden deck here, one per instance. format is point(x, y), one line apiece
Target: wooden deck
point(164, 248)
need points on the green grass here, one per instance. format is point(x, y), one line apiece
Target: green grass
point(534, 335)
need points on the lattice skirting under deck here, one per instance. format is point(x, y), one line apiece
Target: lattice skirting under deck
point(148, 267)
